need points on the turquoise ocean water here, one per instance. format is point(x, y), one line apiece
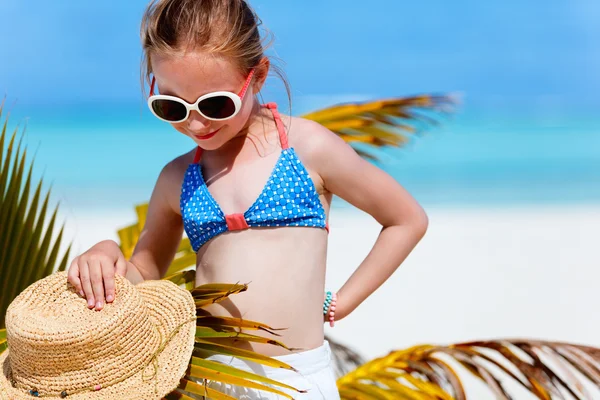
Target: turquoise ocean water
point(108, 156)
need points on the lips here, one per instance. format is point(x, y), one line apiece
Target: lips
point(207, 136)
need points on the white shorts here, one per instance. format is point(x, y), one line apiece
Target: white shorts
point(315, 375)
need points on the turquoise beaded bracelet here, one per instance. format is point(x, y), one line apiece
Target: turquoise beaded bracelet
point(327, 302)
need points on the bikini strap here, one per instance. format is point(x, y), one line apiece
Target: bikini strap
point(280, 128)
point(198, 155)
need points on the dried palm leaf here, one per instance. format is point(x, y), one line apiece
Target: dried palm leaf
point(214, 335)
point(548, 370)
point(383, 123)
point(344, 358)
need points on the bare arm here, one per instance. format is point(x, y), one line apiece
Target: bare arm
point(92, 273)
point(404, 222)
point(162, 230)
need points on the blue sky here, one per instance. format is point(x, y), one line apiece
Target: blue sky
point(500, 54)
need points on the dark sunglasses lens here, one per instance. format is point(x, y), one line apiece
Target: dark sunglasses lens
point(169, 109)
point(218, 107)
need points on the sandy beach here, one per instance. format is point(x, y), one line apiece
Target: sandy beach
point(481, 273)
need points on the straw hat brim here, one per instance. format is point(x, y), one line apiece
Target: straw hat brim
point(170, 306)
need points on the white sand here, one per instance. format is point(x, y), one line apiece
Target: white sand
point(478, 274)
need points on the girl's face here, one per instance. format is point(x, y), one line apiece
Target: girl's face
point(194, 74)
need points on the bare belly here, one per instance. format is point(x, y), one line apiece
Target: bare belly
point(285, 272)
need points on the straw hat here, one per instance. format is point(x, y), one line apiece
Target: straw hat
point(137, 347)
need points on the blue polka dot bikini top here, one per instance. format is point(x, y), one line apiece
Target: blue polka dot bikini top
point(289, 198)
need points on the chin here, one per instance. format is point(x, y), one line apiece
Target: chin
point(207, 145)
point(213, 143)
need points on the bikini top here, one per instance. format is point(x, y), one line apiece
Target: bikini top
point(289, 198)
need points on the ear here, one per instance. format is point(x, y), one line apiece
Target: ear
point(260, 74)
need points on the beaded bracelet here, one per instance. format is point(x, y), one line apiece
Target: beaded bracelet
point(329, 307)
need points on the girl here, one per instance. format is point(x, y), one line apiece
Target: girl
point(253, 195)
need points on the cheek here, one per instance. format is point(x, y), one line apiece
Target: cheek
point(235, 125)
point(242, 118)
point(240, 121)
point(246, 110)
point(180, 127)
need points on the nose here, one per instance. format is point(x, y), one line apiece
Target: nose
point(197, 123)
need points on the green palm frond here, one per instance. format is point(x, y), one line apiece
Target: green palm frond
point(382, 123)
point(28, 252)
point(546, 369)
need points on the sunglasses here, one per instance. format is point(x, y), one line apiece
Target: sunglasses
point(215, 106)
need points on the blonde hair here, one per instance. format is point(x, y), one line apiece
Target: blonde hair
point(225, 28)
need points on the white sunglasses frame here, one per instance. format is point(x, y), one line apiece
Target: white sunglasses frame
point(237, 102)
point(236, 98)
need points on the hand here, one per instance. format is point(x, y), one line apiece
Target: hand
point(93, 273)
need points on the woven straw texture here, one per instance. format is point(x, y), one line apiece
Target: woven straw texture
point(137, 347)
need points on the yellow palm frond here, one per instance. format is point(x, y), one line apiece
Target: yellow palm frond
point(214, 335)
point(382, 123)
point(3, 345)
point(543, 368)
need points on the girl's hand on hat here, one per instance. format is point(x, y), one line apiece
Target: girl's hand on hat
point(93, 273)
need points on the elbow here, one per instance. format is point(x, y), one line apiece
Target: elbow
point(419, 223)
point(413, 223)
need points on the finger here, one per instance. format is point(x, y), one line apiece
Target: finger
point(73, 276)
point(84, 276)
point(97, 282)
point(108, 273)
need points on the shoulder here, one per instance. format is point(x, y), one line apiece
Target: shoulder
point(168, 185)
point(312, 141)
point(315, 144)
point(176, 168)
point(173, 172)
